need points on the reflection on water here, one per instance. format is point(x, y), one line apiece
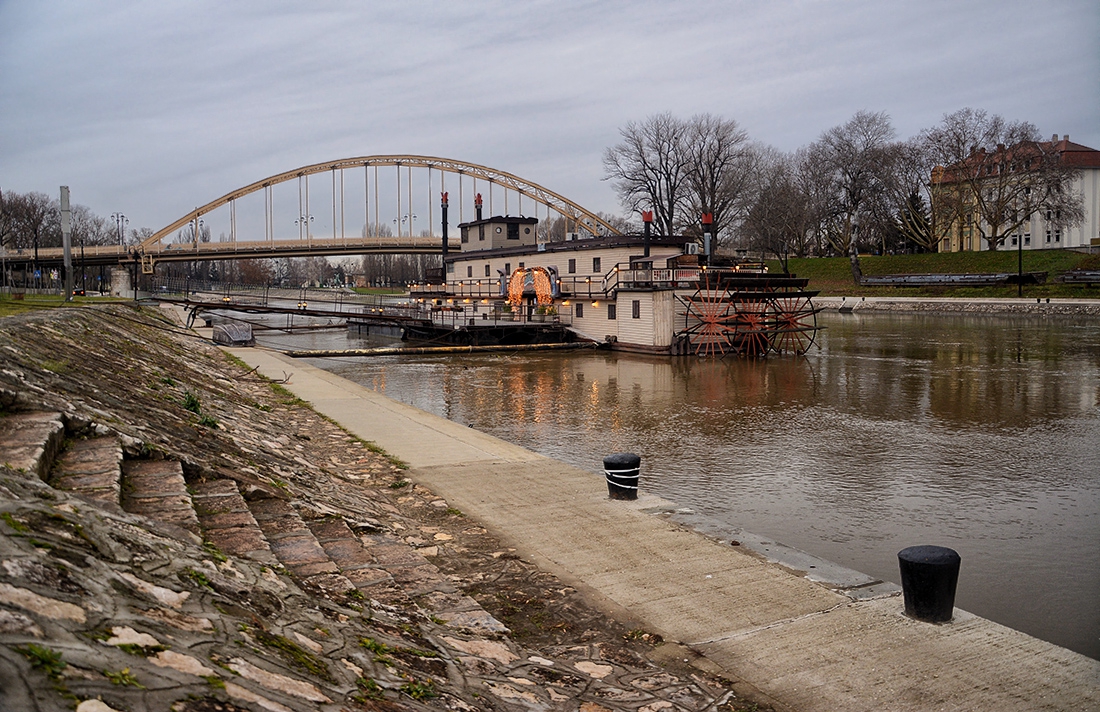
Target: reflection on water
point(982, 434)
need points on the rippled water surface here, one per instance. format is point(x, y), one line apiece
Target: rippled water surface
point(981, 434)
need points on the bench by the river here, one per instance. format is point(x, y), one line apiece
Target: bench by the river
point(951, 280)
point(1088, 277)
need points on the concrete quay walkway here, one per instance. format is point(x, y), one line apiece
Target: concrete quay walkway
point(805, 647)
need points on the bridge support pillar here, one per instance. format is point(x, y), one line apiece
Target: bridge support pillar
point(120, 282)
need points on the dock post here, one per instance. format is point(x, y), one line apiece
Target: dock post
point(929, 575)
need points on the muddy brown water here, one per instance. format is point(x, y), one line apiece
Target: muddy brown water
point(977, 433)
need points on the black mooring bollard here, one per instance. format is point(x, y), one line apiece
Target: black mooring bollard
point(928, 578)
point(621, 470)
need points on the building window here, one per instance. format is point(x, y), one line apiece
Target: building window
point(1014, 240)
point(611, 311)
point(450, 268)
point(580, 310)
point(513, 231)
point(465, 235)
point(470, 271)
point(1048, 235)
point(508, 268)
point(1057, 235)
point(596, 265)
point(521, 265)
point(481, 233)
point(1027, 238)
point(636, 309)
point(572, 266)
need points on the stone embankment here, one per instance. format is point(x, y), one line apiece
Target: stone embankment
point(950, 305)
point(178, 533)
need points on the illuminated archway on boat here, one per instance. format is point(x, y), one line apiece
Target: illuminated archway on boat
point(538, 282)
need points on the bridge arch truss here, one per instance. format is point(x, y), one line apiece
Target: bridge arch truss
point(576, 215)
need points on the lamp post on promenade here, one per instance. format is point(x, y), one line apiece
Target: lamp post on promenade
point(121, 221)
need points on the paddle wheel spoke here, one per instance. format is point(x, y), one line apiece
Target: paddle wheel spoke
point(754, 332)
point(795, 324)
point(711, 311)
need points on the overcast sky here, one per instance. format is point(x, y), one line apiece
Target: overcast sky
point(153, 108)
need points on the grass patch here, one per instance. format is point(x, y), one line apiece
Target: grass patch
point(399, 484)
point(293, 653)
point(237, 362)
point(833, 276)
point(198, 577)
point(369, 689)
point(58, 367)
point(191, 402)
point(141, 651)
point(124, 678)
point(215, 552)
point(44, 659)
point(286, 397)
point(14, 523)
point(381, 650)
point(420, 690)
point(207, 422)
point(378, 450)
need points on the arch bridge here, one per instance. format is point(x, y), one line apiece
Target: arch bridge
point(392, 193)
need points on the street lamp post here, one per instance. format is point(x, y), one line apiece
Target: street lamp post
point(408, 217)
point(303, 222)
point(121, 221)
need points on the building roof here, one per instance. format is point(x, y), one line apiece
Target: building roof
point(1074, 154)
point(592, 243)
point(516, 219)
point(1018, 157)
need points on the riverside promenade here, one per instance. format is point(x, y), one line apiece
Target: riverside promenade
point(807, 647)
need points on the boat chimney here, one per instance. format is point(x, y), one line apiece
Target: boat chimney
point(708, 223)
point(443, 205)
point(477, 205)
point(647, 222)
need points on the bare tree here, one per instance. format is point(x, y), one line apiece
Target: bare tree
point(721, 173)
point(781, 218)
point(855, 165)
point(649, 169)
point(996, 175)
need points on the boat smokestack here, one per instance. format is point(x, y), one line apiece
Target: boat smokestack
point(443, 206)
point(647, 222)
point(477, 205)
point(708, 224)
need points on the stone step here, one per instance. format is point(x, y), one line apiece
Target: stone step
point(227, 522)
point(156, 489)
point(92, 468)
point(296, 548)
point(384, 568)
point(347, 552)
point(30, 441)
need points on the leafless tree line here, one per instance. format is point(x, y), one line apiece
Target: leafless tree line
point(855, 187)
point(33, 220)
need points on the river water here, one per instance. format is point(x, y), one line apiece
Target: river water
point(977, 433)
